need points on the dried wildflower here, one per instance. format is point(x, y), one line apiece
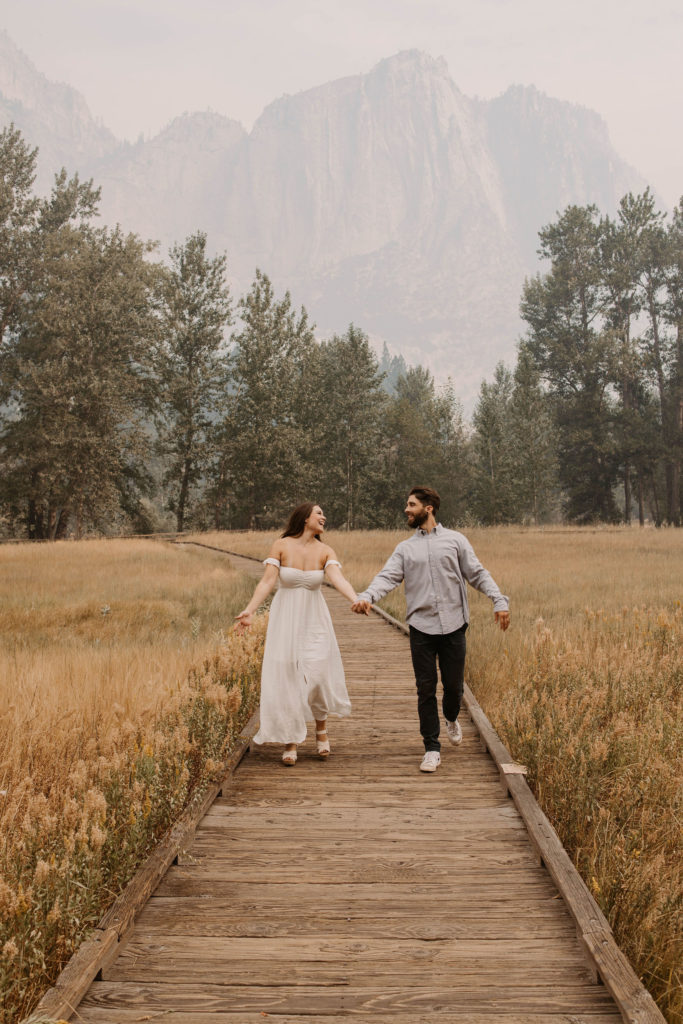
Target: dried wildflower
point(10, 950)
point(234, 700)
point(95, 804)
point(97, 837)
point(41, 873)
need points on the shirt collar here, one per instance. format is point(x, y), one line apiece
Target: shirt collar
point(423, 533)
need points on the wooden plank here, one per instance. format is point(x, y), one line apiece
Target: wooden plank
point(155, 997)
point(183, 882)
point(388, 953)
point(504, 818)
point(117, 1015)
point(330, 974)
point(203, 872)
point(516, 859)
point(404, 918)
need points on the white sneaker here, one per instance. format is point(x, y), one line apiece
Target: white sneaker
point(431, 761)
point(454, 732)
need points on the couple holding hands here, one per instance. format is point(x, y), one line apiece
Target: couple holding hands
point(302, 677)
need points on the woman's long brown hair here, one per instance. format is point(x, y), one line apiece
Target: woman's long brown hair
point(297, 520)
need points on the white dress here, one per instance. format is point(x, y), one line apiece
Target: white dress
point(302, 677)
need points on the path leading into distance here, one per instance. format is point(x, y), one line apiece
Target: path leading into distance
point(357, 888)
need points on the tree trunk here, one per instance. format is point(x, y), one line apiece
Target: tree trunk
point(641, 501)
point(655, 500)
point(33, 524)
point(62, 523)
point(182, 497)
point(627, 494)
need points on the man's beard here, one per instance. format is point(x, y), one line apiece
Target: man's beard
point(418, 518)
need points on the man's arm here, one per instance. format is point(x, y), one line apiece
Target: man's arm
point(386, 580)
point(478, 577)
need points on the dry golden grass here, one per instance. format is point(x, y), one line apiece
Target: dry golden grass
point(585, 688)
point(121, 690)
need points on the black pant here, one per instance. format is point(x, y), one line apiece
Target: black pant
point(450, 649)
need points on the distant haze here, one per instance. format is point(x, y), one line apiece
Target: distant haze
point(141, 62)
point(390, 199)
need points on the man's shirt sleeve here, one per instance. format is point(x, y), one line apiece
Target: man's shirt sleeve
point(386, 580)
point(478, 577)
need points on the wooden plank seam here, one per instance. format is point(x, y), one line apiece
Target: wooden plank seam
point(103, 944)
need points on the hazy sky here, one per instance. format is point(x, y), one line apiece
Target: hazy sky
point(139, 63)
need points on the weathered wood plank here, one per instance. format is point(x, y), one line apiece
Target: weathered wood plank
point(388, 953)
point(184, 882)
point(348, 999)
point(127, 1015)
point(418, 919)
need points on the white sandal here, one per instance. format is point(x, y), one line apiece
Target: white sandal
point(322, 746)
point(289, 757)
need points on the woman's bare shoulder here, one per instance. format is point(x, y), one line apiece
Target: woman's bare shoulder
point(277, 548)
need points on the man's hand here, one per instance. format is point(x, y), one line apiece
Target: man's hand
point(503, 619)
point(361, 607)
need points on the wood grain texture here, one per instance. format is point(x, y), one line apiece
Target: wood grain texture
point(361, 888)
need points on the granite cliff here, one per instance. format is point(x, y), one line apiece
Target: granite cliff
point(388, 199)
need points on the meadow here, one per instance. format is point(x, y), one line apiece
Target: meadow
point(121, 690)
point(122, 687)
point(585, 689)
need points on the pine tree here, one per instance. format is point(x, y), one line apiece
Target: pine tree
point(494, 489)
point(574, 354)
point(533, 442)
point(259, 472)
point(195, 310)
point(20, 211)
point(77, 376)
point(425, 444)
point(673, 315)
point(348, 403)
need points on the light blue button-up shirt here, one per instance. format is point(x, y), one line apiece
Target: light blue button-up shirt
point(435, 566)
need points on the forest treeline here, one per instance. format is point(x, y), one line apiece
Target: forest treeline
point(138, 394)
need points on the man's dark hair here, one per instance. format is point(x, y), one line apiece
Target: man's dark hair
point(427, 496)
point(297, 520)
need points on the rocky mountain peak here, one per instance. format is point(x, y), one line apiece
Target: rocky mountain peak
point(51, 115)
point(389, 199)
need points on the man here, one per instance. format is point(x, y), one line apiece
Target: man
point(435, 562)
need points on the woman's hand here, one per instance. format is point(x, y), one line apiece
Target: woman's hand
point(243, 621)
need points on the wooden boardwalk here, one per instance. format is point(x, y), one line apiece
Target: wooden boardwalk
point(357, 888)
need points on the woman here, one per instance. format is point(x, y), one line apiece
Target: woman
point(302, 678)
